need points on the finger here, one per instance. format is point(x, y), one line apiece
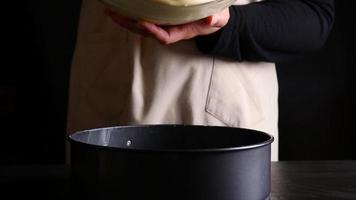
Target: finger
point(183, 32)
point(159, 33)
point(115, 16)
point(188, 31)
point(215, 21)
point(208, 20)
point(120, 18)
point(172, 34)
point(127, 23)
point(218, 20)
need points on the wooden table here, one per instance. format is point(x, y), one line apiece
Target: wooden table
point(290, 180)
point(314, 180)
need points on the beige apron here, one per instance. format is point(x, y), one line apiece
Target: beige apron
point(121, 78)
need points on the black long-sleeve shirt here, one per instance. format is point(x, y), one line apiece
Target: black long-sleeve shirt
point(271, 30)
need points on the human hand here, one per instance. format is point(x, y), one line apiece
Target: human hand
point(174, 33)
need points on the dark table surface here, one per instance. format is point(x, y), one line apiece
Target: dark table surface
point(290, 180)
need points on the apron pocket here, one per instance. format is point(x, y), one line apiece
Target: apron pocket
point(231, 98)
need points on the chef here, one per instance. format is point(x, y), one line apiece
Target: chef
point(218, 71)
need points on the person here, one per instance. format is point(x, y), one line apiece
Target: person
point(218, 71)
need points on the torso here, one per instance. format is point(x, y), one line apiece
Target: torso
point(120, 78)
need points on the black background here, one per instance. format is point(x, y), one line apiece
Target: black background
point(317, 92)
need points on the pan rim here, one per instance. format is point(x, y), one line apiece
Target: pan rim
point(72, 140)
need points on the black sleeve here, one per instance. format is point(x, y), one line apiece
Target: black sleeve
point(271, 30)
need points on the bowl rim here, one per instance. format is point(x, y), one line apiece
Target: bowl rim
point(177, 14)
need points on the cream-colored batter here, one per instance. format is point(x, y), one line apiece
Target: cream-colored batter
point(182, 2)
